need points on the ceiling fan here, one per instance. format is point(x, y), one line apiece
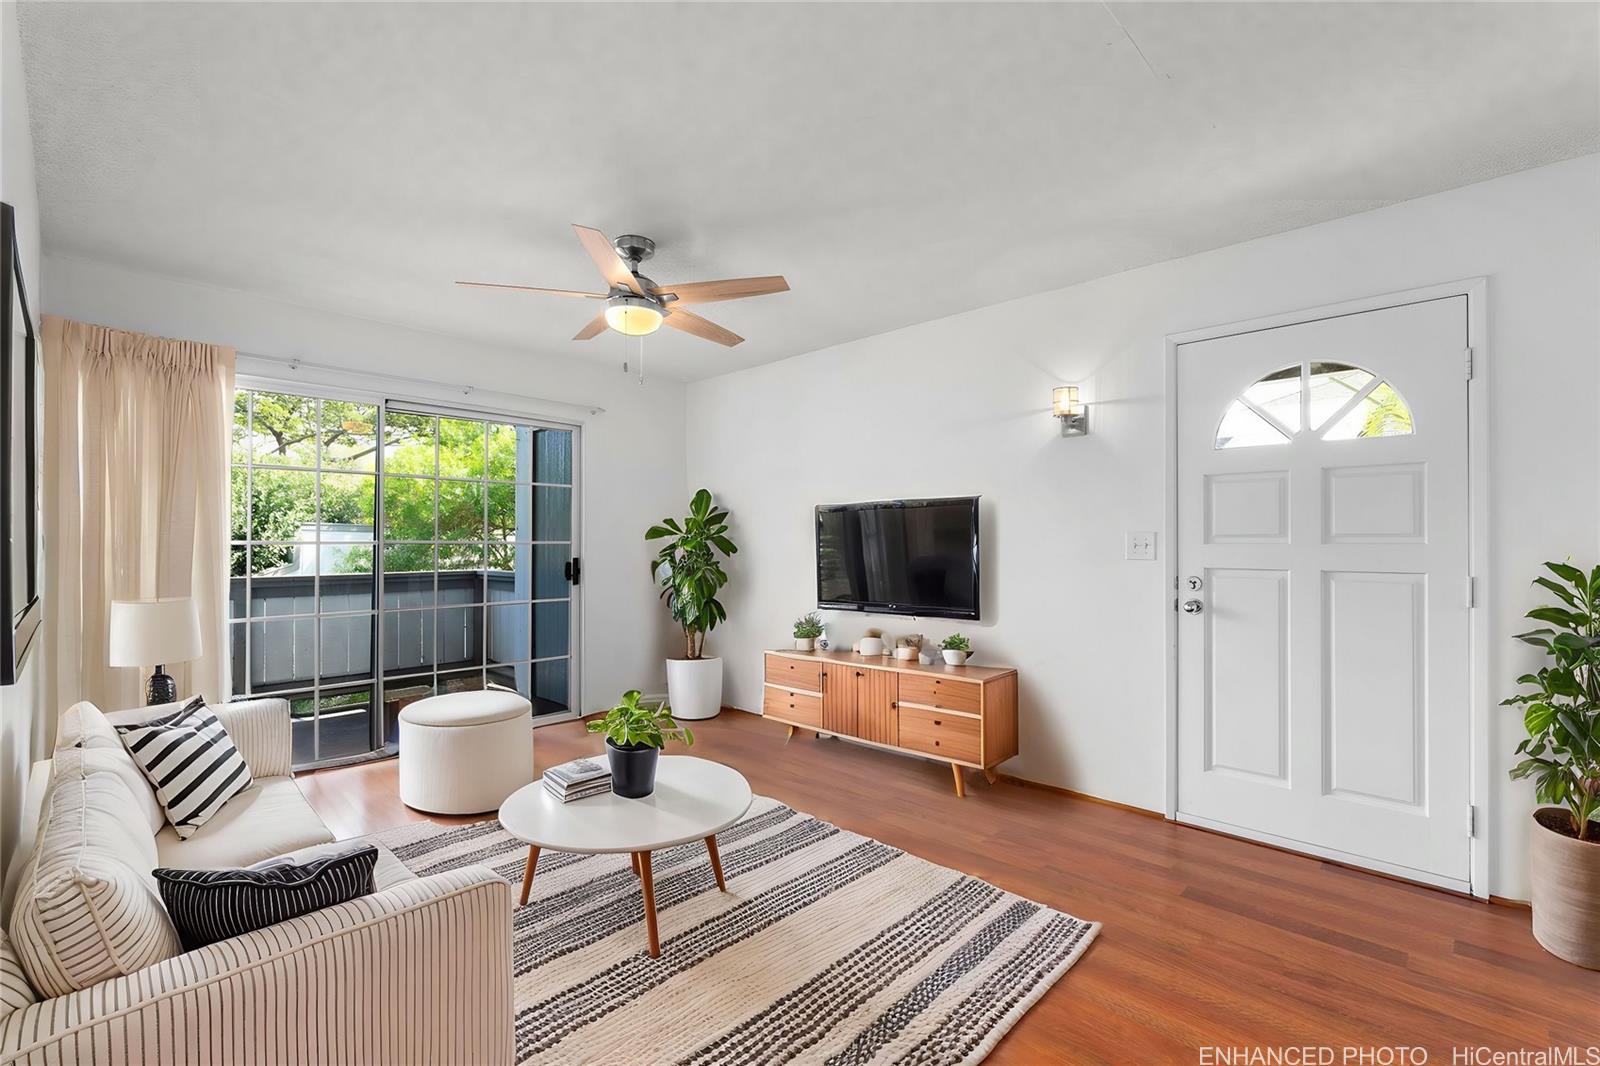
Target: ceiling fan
point(635, 305)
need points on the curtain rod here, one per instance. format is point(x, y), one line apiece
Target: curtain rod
point(296, 364)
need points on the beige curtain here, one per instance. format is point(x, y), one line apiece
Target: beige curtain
point(136, 439)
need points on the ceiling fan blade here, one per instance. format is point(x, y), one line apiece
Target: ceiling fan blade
point(689, 322)
point(612, 268)
point(705, 292)
point(596, 326)
point(531, 288)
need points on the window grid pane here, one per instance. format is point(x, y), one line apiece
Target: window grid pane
point(368, 546)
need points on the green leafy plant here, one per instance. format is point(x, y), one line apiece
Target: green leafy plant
point(631, 723)
point(688, 569)
point(1562, 711)
point(808, 627)
point(956, 642)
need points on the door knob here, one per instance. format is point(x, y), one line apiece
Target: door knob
point(1192, 607)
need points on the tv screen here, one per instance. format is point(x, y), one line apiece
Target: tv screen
point(899, 557)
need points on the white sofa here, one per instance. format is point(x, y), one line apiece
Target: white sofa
point(418, 971)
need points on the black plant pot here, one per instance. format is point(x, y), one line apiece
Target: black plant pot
point(633, 769)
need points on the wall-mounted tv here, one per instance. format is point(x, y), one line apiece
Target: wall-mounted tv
point(899, 557)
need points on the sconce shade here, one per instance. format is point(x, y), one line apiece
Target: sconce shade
point(1071, 412)
point(154, 632)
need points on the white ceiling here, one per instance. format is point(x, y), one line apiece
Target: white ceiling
point(897, 162)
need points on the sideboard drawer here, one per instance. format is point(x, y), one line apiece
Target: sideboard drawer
point(794, 673)
point(948, 736)
point(793, 706)
point(943, 692)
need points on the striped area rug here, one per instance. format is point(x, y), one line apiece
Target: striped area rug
point(828, 947)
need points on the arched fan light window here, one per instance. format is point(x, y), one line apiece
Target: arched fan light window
point(1334, 401)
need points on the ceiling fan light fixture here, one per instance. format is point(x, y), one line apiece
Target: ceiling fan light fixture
point(633, 316)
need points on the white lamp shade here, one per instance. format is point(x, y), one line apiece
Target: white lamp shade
point(154, 632)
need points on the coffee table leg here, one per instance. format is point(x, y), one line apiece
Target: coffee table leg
point(716, 862)
point(527, 875)
point(647, 883)
point(634, 858)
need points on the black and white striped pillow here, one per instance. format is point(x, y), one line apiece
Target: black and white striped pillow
point(191, 761)
point(211, 905)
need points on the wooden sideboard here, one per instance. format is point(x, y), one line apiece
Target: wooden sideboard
point(963, 715)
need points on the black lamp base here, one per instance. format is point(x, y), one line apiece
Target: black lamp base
point(163, 689)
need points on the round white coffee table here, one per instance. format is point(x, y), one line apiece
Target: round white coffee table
point(695, 799)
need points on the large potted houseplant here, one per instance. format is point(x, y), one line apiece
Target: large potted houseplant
point(635, 735)
point(1561, 712)
point(689, 572)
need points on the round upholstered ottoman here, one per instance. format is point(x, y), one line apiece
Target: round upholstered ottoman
point(465, 752)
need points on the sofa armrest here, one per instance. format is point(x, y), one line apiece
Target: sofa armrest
point(420, 972)
point(263, 732)
point(260, 728)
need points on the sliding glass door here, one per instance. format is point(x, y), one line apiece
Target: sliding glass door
point(383, 553)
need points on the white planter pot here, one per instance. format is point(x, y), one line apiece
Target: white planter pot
point(804, 643)
point(953, 657)
point(694, 687)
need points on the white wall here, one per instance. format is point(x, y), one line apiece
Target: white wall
point(632, 452)
point(959, 406)
point(25, 727)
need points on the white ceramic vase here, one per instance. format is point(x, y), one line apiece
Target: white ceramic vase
point(953, 657)
point(804, 643)
point(694, 687)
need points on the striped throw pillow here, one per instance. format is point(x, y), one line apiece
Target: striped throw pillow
point(191, 761)
point(211, 905)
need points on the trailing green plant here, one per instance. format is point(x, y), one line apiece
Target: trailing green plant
point(1561, 712)
point(630, 723)
point(956, 642)
point(688, 571)
point(808, 627)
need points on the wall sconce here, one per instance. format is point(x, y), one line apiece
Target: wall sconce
point(1073, 413)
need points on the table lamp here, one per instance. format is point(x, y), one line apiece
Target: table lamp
point(154, 633)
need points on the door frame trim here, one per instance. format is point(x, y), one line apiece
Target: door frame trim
point(1480, 750)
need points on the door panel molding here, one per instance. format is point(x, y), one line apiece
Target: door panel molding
point(1480, 751)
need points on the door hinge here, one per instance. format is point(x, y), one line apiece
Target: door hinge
point(573, 571)
point(1467, 352)
point(1472, 820)
point(1472, 592)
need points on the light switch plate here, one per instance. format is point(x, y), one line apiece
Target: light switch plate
point(1140, 546)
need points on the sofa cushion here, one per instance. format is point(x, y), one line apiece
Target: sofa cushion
point(190, 759)
point(87, 908)
point(269, 818)
point(211, 905)
point(83, 725)
point(15, 991)
point(118, 762)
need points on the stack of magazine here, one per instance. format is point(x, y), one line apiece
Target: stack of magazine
point(578, 779)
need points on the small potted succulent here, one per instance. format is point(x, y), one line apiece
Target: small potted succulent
point(807, 629)
point(956, 648)
point(1561, 711)
point(635, 735)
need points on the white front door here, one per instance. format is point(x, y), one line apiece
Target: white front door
point(1323, 564)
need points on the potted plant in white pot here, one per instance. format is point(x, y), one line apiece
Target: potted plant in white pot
point(807, 629)
point(1561, 712)
point(635, 735)
point(690, 575)
point(955, 648)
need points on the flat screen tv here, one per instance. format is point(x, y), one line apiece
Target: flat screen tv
point(899, 557)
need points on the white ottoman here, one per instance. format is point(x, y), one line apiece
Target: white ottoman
point(465, 752)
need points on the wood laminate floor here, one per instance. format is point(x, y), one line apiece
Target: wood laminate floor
point(1207, 941)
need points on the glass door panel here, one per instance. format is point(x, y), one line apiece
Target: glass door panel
point(383, 554)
